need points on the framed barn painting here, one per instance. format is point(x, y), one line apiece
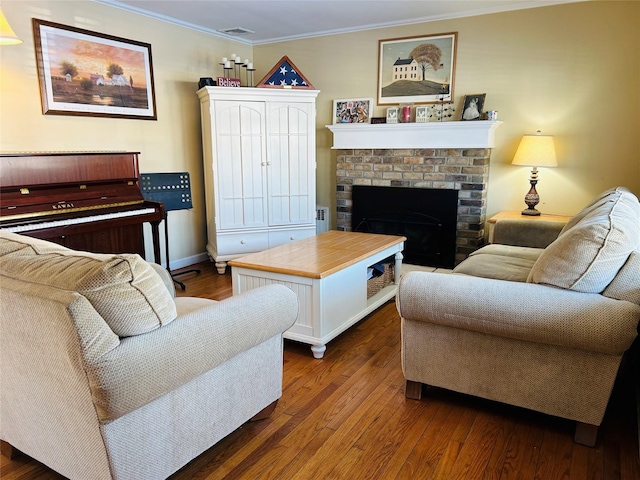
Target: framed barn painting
point(93, 74)
point(416, 69)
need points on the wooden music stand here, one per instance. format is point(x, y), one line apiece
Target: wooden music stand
point(174, 190)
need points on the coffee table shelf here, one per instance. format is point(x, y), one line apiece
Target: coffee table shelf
point(328, 272)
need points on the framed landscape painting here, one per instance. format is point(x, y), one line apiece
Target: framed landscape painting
point(93, 74)
point(416, 69)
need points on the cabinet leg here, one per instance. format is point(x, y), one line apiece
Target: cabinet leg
point(398, 268)
point(222, 267)
point(318, 350)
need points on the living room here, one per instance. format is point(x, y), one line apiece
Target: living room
point(541, 68)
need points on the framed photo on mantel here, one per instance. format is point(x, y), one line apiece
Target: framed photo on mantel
point(355, 110)
point(472, 106)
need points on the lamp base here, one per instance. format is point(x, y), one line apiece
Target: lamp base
point(532, 212)
point(532, 198)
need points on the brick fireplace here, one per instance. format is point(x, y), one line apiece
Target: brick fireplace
point(458, 159)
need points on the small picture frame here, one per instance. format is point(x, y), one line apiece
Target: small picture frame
point(472, 106)
point(392, 115)
point(353, 110)
point(422, 114)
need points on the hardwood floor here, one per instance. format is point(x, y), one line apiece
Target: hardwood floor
point(346, 417)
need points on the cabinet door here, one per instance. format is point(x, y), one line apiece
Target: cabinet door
point(240, 165)
point(291, 163)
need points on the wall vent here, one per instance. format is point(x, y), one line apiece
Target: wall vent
point(322, 219)
point(236, 31)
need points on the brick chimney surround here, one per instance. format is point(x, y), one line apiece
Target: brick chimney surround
point(435, 155)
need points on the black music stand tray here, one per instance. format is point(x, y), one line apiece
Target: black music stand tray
point(174, 191)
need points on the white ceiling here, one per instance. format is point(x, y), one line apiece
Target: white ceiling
point(277, 20)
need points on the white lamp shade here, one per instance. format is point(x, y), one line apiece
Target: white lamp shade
point(7, 36)
point(536, 151)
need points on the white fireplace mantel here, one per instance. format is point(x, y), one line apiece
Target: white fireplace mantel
point(469, 134)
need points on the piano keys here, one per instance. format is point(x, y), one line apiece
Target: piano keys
point(88, 201)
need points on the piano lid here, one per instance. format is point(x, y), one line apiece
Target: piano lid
point(24, 170)
point(36, 184)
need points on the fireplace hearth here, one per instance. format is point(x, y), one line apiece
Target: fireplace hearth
point(426, 217)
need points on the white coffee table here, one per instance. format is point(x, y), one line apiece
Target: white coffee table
point(328, 272)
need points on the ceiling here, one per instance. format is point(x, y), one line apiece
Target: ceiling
point(278, 20)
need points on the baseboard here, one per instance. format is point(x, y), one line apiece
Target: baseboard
point(188, 261)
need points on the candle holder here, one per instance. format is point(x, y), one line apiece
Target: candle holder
point(237, 65)
point(405, 112)
point(249, 73)
point(226, 66)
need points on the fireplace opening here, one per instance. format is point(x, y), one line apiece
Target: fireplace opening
point(426, 217)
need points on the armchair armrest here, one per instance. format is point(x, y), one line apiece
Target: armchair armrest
point(524, 311)
point(526, 233)
point(144, 367)
point(166, 278)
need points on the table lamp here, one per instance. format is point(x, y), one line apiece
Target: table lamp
point(535, 151)
point(7, 36)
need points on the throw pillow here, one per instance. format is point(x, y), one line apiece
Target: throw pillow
point(588, 255)
point(123, 288)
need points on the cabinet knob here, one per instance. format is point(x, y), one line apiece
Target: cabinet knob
point(292, 237)
point(242, 242)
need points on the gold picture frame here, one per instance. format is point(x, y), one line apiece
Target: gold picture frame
point(417, 69)
point(93, 74)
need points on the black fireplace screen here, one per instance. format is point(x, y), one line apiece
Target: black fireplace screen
point(426, 217)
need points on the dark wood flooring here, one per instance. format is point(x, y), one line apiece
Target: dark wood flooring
point(346, 417)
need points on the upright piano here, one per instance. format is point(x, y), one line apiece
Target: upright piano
point(88, 201)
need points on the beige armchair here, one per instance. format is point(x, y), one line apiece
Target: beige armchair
point(542, 327)
point(105, 375)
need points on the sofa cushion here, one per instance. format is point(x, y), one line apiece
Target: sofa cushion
point(523, 232)
point(587, 256)
point(594, 204)
point(498, 267)
point(500, 262)
point(528, 253)
point(123, 288)
point(626, 285)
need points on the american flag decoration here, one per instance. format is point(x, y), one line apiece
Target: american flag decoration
point(284, 75)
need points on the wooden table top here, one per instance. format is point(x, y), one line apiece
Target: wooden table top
point(318, 256)
point(548, 217)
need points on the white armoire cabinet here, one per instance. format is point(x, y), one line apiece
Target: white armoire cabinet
point(259, 155)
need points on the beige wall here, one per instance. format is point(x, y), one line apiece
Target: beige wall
point(171, 144)
point(570, 70)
